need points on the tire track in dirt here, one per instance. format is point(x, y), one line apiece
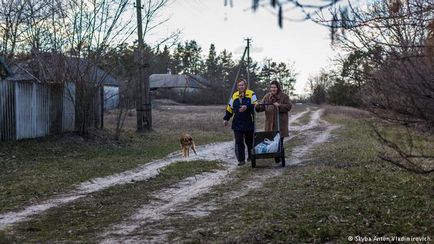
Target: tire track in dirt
point(214, 151)
point(297, 156)
point(179, 200)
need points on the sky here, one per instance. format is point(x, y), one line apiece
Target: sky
point(305, 44)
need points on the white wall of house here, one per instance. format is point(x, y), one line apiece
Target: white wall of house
point(111, 97)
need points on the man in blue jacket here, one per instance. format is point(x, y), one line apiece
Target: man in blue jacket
point(241, 107)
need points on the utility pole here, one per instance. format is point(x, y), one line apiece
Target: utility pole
point(246, 51)
point(143, 104)
point(269, 68)
point(248, 59)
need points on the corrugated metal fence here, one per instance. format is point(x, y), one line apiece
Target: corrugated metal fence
point(7, 111)
point(29, 109)
point(32, 106)
point(68, 107)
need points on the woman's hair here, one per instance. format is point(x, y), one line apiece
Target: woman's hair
point(276, 83)
point(242, 80)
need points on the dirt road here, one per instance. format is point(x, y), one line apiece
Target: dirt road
point(179, 201)
point(152, 221)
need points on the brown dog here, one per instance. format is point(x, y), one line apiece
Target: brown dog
point(187, 142)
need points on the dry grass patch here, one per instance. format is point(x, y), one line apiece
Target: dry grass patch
point(177, 118)
point(346, 111)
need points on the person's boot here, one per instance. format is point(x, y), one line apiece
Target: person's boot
point(277, 160)
point(241, 163)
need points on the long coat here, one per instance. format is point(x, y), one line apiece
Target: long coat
point(284, 107)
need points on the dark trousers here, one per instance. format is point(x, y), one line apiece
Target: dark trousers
point(242, 137)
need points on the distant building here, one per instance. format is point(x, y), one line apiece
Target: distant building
point(181, 83)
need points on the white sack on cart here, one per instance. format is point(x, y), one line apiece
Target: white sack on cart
point(273, 147)
point(262, 147)
point(268, 146)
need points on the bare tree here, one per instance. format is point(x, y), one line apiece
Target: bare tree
point(151, 21)
point(125, 102)
point(318, 86)
point(67, 40)
point(11, 21)
point(397, 38)
point(307, 9)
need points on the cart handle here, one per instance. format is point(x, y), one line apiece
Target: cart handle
point(265, 104)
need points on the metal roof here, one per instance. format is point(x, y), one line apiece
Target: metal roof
point(22, 72)
point(95, 74)
point(177, 81)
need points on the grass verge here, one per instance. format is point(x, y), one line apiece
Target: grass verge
point(83, 220)
point(343, 191)
point(33, 170)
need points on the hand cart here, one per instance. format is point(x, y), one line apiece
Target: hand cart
point(259, 137)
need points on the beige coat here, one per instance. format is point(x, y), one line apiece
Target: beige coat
point(284, 107)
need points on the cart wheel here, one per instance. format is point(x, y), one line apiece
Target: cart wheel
point(253, 162)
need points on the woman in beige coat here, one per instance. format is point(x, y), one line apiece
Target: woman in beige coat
point(281, 102)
